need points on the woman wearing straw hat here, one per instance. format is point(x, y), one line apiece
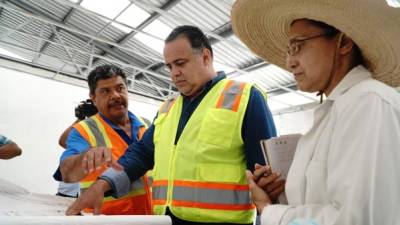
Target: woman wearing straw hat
point(346, 168)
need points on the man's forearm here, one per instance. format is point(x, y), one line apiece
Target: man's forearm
point(102, 185)
point(9, 151)
point(72, 169)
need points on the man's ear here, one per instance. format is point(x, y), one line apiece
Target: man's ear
point(346, 45)
point(207, 57)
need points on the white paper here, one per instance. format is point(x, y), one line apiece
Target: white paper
point(278, 153)
point(87, 220)
point(17, 201)
point(19, 206)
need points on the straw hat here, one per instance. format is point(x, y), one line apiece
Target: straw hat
point(263, 26)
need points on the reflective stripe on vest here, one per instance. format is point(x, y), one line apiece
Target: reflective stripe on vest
point(203, 195)
point(97, 130)
point(137, 188)
point(230, 97)
point(167, 105)
point(149, 178)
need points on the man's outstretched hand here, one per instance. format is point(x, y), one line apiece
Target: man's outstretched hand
point(90, 198)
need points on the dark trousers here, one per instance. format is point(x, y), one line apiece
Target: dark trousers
point(177, 221)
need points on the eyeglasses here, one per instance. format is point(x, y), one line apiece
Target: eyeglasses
point(295, 45)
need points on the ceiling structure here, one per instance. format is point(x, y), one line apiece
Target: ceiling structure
point(69, 38)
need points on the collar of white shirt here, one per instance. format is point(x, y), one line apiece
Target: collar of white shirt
point(355, 76)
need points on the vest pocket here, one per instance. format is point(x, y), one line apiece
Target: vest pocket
point(157, 128)
point(219, 173)
point(218, 127)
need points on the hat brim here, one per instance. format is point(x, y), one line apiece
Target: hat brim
point(374, 26)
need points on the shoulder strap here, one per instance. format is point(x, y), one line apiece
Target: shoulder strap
point(230, 96)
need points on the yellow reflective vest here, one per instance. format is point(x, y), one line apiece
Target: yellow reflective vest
point(202, 177)
point(97, 133)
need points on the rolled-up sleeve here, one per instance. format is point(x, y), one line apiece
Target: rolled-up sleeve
point(76, 144)
point(137, 160)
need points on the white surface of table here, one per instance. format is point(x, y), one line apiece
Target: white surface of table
point(19, 206)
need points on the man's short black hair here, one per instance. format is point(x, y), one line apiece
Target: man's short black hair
point(104, 72)
point(196, 37)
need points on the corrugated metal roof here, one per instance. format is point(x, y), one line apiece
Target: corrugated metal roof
point(92, 40)
point(86, 22)
point(198, 13)
point(49, 7)
point(233, 55)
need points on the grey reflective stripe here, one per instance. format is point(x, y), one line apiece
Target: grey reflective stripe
point(137, 184)
point(167, 105)
point(160, 192)
point(149, 180)
point(204, 195)
point(230, 95)
point(146, 123)
point(96, 132)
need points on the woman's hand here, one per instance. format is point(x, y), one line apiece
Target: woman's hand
point(258, 195)
point(268, 181)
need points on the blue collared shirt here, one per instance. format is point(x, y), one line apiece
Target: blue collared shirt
point(258, 124)
point(4, 140)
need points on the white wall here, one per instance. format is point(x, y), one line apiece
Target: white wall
point(294, 122)
point(34, 111)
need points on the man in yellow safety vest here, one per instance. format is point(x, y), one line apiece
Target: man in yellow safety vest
point(200, 143)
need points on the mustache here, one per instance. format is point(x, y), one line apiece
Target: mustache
point(116, 103)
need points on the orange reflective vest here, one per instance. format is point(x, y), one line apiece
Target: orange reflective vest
point(98, 133)
point(202, 178)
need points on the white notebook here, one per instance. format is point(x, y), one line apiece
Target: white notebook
point(278, 154)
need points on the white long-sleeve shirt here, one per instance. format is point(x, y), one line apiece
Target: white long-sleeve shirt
point(346, 170)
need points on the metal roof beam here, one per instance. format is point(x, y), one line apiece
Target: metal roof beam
point(149, 67)
point(75, 31)
point(152, 83)
point(152, 67)
point(97, 34)
point(279, 90)
point(109, 23)
point(98, 56)
point(155, 15)
point(243, 71)
point(88, 12)
point(223, 31)
point(52, 69)
point(185, 21)
point(10, 32)
point(61, 41)
point(64, 20)
point(35, 52)
point(151, 86)
point(40, 41)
